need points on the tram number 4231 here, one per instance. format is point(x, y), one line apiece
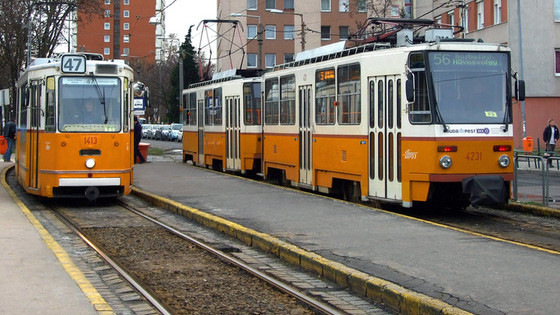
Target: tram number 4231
point(90, 140)
point(474, 156)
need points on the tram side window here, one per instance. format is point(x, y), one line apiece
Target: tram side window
point(349, 104)
point(218, 107)
point(190, 109)
point(419, 110)
point(288, 100)
point(213, 107)
point(50, 123)
point(324, 97)
point(24, 105)
point(252, 103)
point(271, 91)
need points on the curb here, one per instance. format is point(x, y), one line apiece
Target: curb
point(542, 211)
point(396, 297)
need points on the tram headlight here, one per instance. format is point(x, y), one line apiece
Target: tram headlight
point(503, 161)
point(445, 162)
point(90, 163)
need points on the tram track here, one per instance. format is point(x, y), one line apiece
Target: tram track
point(161, 297)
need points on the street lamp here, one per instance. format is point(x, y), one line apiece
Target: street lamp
point(302, 24)
point(259, 36)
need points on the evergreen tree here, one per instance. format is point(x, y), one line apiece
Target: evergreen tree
point(190, 75)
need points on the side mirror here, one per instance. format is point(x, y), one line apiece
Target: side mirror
point(520, 90)
point(410, 88)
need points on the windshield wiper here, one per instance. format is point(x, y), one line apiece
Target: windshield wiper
point(101, 96)
point(445, 126)
point(506, 118)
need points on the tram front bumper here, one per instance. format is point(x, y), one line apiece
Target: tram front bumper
point(91, 188)
point(485, 189)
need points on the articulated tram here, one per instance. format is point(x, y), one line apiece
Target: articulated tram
point(407, 123)
point(74, 127)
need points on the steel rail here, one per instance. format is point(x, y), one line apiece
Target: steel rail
point(310, 301)
point(155, 303)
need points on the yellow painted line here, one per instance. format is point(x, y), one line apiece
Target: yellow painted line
point(73, 271)
point(490, 237)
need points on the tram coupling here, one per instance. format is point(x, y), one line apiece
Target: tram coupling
point(485, 189)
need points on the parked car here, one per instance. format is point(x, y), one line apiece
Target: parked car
point(157, 132)
point(152, 132)
point(163, 132)
point(176, 130)
point(146, 130)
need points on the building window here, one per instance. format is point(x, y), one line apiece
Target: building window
point(126, 51)
point(556, 10)
point(325, 32)
point(252, 4)
point(107, 13)
point(343, 5)
point(557, 58)
point(126, 13)
point(107, 38)
point(451, 17)
point(270, 4)
point(126, 38)
point(252, 31)
point(438, 19)
point(288, 4)
point(251, 60)
point(270, 60)
point(497, 11)
point(343, 32)
point(326, 5)
point(288, 58)
point(480, 15)
point(362, 6)
point(126, 26)
point(465, 21)
point(270, 32)
point(395, 11)
point(288, 32)
point(126, 2)
point(106, 51)
point(107, 26)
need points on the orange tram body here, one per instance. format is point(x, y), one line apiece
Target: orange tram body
point(74, 123)
point(418, 122)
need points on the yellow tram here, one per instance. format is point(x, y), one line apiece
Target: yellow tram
point(74, 127)
point(397, 121)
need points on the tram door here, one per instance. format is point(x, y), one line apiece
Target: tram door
point(384, 137)
point(200, 112)
point(32, 134)
point(233, 133)
point(305, 136)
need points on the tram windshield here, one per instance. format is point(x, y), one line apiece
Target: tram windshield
point(89, 104)
point(470, 87)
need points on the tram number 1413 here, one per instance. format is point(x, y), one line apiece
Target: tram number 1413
point(90, 140)
point(474, 156)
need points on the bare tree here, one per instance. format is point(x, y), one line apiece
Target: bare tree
point(37, 24)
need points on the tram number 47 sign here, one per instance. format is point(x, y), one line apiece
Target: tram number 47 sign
point(73, 64)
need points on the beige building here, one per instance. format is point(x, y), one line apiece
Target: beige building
point(498, 21)
point(288, 27)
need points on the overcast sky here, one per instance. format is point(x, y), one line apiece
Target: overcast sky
point(180, 14)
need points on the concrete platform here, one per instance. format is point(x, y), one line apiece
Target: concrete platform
point(37, 277)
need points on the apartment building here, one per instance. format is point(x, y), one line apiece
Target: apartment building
point(127, 29)
point(536, 30)
point(288, 27)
